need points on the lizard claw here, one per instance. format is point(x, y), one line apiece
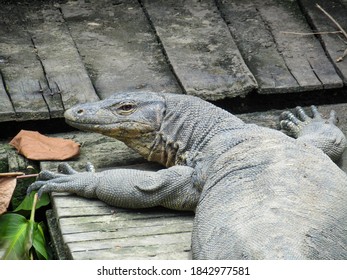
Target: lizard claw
point(90, 167)
point(333, 119)
point(44, 176)
point(316, 130)
point(294, 124)
point(66, 168)
point(49, 181)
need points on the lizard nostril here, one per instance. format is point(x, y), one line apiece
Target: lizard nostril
point(80, 111)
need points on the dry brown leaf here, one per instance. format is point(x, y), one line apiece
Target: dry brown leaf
point(8, 182)
point(36, 146)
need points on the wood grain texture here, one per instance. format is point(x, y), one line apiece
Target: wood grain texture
point(41, 71)
point(67, 79)
point(21, 71)
point(118, 47)
point(280, 62)
point(200, 48)
point(334, 44)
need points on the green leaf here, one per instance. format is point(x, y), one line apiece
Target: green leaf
point(39, 241)
point(16, 234)
point(28, 202)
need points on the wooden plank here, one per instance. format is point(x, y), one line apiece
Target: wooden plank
point(119, 232)
point(280, 62)
point(76, 201)
point(200, 48)
point(180, 251)
point(118, 47)
point(22, 74)
point(7, 112)
point(304, 55)
point(257, 46)
point(121, 215)
point(92, 210)
point(334, 44)
point(162, 240)
point(56, 243)
point(71, 206)
point(124, 214)
point(67, 79)
point(42, 70)
point(123, 226)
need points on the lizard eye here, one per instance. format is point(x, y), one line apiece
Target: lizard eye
point(126, 108)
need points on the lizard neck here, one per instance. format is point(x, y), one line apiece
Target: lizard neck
point(187, 128)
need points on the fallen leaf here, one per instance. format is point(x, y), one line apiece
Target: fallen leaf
point(36, 146)
point(8, 182)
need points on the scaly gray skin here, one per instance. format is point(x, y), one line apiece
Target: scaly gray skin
point(257, 193)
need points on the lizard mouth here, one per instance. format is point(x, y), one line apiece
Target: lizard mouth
point(81, 125)
point(120, 128)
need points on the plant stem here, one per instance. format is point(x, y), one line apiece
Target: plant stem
point(32, 214)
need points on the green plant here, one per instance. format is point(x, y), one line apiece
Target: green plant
point(23, 238)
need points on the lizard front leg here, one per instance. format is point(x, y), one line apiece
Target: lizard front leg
point(173, 188)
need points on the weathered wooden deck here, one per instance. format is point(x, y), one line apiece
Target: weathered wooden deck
point(53, 56)
point(56, 54)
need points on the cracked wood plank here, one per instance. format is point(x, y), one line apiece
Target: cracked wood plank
point(200, 48)
point(146, 242)
point(42, 71)
point(121, 226)
point(144, 233)
point(178, 251)
point(7, 112)
point(67, 79)
point(126, 229)
point(280, 62)
point(334, 44)
point(118, 46)
point(21, 71)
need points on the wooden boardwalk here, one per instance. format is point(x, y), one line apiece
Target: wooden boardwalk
point(55, 55)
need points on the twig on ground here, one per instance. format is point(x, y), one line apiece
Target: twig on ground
point(27, 176)
point(313, 33)
point(333, 20)
point(339, 59)
point(340, 31)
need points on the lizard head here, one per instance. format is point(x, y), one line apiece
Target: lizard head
point(133, 118)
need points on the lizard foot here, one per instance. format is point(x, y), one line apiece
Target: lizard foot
point(66, 179)
point(316, 131)
point(300, 123)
